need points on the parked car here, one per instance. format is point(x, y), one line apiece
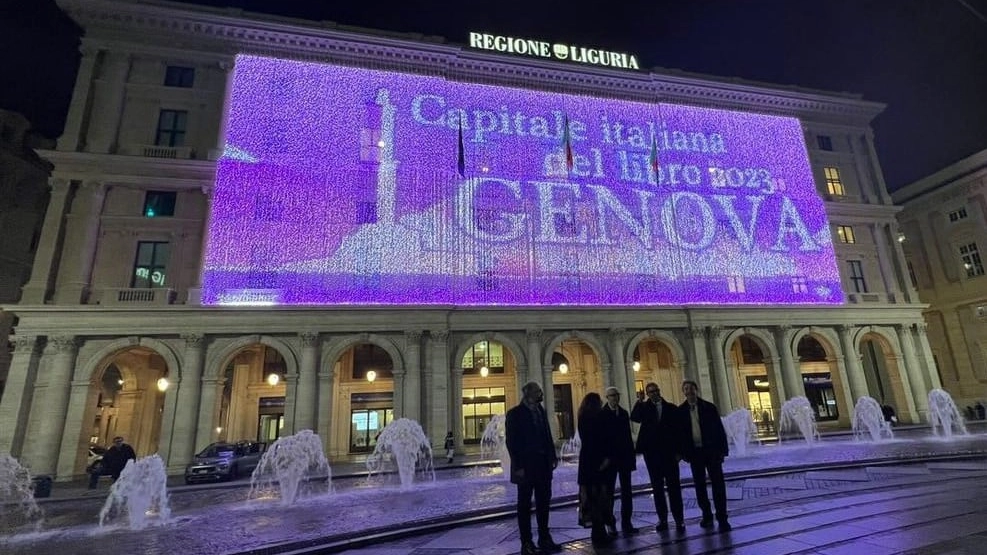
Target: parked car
point(94, 460)
point(224, 461)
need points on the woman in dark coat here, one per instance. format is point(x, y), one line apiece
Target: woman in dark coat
point(596, 470)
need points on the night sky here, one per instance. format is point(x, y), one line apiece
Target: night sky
point(926, 59)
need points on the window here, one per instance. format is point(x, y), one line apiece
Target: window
point(825, 142)
point(484, 354)
point(171, 128)
point(178, 76)
point(911, 273)
point(159, 204)
point(480, 405)
point(971, 260)
point(736, 284)
point(371, 145)
point(857, 276)
point(957, 215)
point(799, 285)
point(845, 233)
point(834, 185)
point(149, 268)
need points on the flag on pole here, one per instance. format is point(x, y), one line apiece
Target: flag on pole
point(653, 157)
point(461, 150)
point(568, 145)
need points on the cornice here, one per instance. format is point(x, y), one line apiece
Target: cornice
point(120, 170)
point(218, 33)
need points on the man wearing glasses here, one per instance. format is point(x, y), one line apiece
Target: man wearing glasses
point(617, 424)
point(658, 441)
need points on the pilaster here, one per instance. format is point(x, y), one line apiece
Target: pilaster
point(15, 404)
point(42, 281)
point(109, 93)
point(308, 388)
point(790, 374)
point(46, 424)
point(187, 391)
point(411, 390)
point(721, 377)
point(205, 431)
point(855, 372)
point(437, 384)
point(916, 384)
point(618, 370)
point(534, 341)
point(79, 249)
point(71, 139)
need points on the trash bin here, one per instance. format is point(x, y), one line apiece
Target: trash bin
point(42, 486)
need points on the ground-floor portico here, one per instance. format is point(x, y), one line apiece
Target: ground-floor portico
point(173, 380)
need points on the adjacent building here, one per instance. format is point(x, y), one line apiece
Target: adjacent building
point(260, 225)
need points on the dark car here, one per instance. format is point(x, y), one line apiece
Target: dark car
point(224, 461)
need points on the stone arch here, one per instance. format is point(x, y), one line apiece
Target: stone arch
point(588, 338)
point(665, 337)
point(217, 359)
point(834, 365)
point(520, 359)
point(764, 340)
point(888, 335)
point(102, 358)
point(339, 344)
point(826, 337)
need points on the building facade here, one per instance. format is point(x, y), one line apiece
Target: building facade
point(943, 227)
point(155, 309)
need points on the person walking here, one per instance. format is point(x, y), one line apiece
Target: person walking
point(704, 446)
point(533, 460)
point(596, 471)
point(617, 427)
point(450, 447)
point(116, 457)
point(658, 440)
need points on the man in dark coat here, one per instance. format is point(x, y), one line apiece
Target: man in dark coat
point(533, 459)
point(617, 426)
point(116, 457)
point(658, 440)
point(704, 446)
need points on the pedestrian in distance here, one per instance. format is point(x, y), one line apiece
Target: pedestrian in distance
point(450, 447)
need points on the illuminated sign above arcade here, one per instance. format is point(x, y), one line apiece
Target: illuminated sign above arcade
point(556, 51)
point(342, 185)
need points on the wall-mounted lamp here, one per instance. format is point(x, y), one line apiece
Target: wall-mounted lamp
point(219, 430)
point(901, 238)
point(273, 379)
point(371, 375)
point(119, 382)
point(637, 366)
point(484, 371)
point(163, 384)
point(563, 368)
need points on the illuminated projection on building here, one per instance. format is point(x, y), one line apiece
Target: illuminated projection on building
point(351, 186)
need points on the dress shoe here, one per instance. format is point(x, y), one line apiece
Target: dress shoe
point(611, 530)
point(680, 527)
point(529, 548)
point(600, 538)
point(662, 527)
point(725, 526)
point(628, 529)
point(706, 522)
point(547, 545)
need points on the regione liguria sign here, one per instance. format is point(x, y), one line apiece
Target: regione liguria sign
point(556, 51)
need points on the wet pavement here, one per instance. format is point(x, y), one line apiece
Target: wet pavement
point(767, 511)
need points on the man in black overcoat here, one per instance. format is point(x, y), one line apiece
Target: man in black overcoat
point(533, 459)
point(658, 440)
point(704, 446)
point(617, 426)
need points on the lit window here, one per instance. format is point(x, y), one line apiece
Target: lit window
point(857, 276)
point(149, 268)
point(371, 144)
point(834, 185)
point(845, 233)
point(957, 215)
point(825, 142)
point(178, 76)
point(736, 284)
point(799, 285)
point(159, 204)
point(171, 128)
point(972, 263)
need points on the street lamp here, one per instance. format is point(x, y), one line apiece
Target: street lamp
point(163, 384)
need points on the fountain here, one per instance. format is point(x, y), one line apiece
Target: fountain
point(570, 449)
point(943, 414)
point(869, 419)
point(797, 414)
point(741, 431)
point(17, 504)
point(404, 442)
point(141, 492)
point(493, 444)
point(287, 462)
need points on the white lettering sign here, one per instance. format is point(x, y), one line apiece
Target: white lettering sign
point(558, 51)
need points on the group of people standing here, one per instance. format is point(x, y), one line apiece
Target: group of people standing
point(692, 431)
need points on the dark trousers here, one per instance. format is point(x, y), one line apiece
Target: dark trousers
point(626, 498)
point(663, 471)
point(702, 464)
point(542, 491)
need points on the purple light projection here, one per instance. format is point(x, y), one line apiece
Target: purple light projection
point(341, 186)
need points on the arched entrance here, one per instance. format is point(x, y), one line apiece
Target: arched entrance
point(654, 361)
point(751, 378)
point(817, 366)
point(576, 370)
point(882, 372)
point(490, 385)
point(365, 404)
point(252, 403)
point(126, 398)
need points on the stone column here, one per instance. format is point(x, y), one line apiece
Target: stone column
point(723, 394)
point(913, 371)
point(42, 281)
point(168, 414)
point(326, 396)
point(308, 386)
point(855, 372)
point(548, 387)
point(47, 421)
point(195, 292)
point(618, 371)
point(79, 248)
point(228, 67)
point(188, 391)
point(109, 91)
point(925, 356)
point(790, 373)
point(69, 451)
point(15, 404)
point(901, 267)
point(205, 432)
point(890, 279)
point(438, 394)
point(290, 404)
point(71, 139)
point(412, 389)
point(534, 337)
point(456, 412)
